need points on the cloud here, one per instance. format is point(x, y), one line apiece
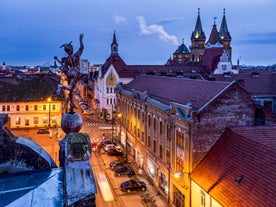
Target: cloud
point(155, 29)
point(169, 20)
point(120, 20)
point(258, 38)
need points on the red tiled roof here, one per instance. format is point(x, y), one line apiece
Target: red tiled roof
point(239, 153)
point(119, 65)
point(180, 90)
point(255, 82)
point(211, 57)
point(260, 134)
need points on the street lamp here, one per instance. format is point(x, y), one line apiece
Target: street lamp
point(49, 121)
point(177, 174)
point(112, 122)
point(119, 118)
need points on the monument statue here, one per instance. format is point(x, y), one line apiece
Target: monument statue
point(70, 66)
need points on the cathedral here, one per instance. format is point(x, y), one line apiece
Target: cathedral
point(207, 52)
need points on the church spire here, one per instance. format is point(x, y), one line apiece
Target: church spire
point(114, 44)
point(198, 32)
point(214, 38)
point(223, 31)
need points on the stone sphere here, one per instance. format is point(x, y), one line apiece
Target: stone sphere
point(71, 122)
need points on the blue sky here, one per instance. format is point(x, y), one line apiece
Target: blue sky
point(148, 31)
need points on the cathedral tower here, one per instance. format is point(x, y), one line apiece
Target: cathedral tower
point(197, 41)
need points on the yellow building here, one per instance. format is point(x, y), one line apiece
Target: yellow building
point(30, 102)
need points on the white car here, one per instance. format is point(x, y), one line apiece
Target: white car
point(109, 146)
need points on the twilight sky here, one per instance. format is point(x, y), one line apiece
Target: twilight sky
point(148, 31)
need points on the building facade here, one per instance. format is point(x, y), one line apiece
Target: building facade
point(30, 106)
point(167, 125)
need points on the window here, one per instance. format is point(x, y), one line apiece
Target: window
point(161, 151)
point(35, 120)
point(149, 141)
point(154, 146)
point(3, 108)
point(111, 89)
point(17, 121)
point(26, 107)
point(45, 120)
point(107, 90)
point(44, 108)
point(35, 107)
point(180, 138)
point(179, 164)
point(161, 127)
point(54, 107)
point(154, 123)
point(54, 120)
point(27, 122)
point(107, 101)
point(149, 120)
point(168, 131)
point(202, 199)
point(17, 107)
point(8, 108)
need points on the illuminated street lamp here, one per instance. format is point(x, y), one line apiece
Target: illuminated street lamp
point(177, 174)
point(119, 118)
point(49, 121)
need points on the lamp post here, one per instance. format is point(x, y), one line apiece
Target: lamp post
point(112, 123)
point(49, 121)
point(119, 118)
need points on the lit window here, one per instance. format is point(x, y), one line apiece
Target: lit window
point(45, 120)
point(27, 122)
point(17, 120)
point(35, 120)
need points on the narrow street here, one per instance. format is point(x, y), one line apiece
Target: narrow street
point(105, 179)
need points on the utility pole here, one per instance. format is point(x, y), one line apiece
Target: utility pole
point(112, 123)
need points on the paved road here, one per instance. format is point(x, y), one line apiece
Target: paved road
point(100, 163)
point(92, 125)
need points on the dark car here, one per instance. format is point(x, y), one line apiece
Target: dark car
point(124, 170)
point(115, 152)
point(115, 163)
point(43, 131)
point(133, 185)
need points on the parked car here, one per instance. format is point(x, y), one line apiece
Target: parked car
point(124, 170)
point(115, 152)
point(133, 185)
point(109, 146)
point(43, 131)
point(104, 142)
point(115, 163)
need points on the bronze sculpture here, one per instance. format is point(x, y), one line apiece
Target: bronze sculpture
point(70, 66)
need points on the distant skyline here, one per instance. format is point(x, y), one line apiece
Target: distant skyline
point(148, 32)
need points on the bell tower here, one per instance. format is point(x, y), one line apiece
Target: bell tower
point(198, 39)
